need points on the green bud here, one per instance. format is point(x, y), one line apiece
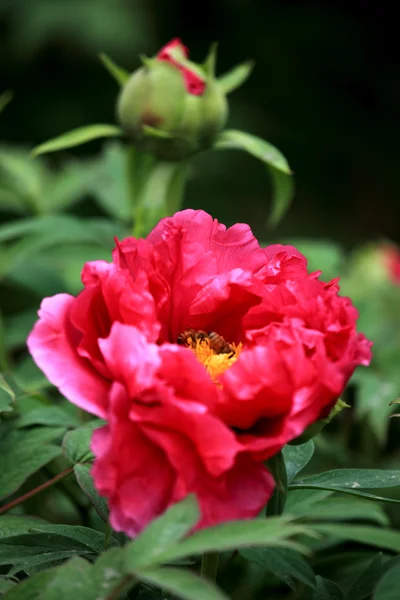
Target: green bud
point(163, 118)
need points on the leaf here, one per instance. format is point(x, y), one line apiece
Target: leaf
point(7, 396)
point(120, 75)
point(284, 563)
point(273, 532)
point(5, 585)
point(388, 587)
point(183, 584)
point(162, 533)
point(351, 481)
point(5, 98)
point(85, 481)
point(30, 589)
point(234, 78)
point(23, 453)
point(279, 169)
point(76, 444)
point(363, 534)
point(109, 573)
point(344, 509)
point(72, 580)
point(363, 586)
point(297, 457)
point(47, 415)
point(88, 538)
point(327, 590)
point(77, 137)
point(15, 524)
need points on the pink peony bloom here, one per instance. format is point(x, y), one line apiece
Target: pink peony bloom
point(204, 414)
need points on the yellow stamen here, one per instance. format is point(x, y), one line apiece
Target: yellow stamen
point(214, 363)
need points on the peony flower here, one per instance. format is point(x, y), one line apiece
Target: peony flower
point(205, 354)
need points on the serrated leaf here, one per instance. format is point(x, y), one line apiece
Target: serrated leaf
point(85, 481)
point(236, 77)
point(183, 584)
point(388, 587)
point(120, 75)
point(273, 532)
point(77, 137)
point(284, 563)
point(363, 586)
point(47, 415)
point(363, 534)
point(22, 453)
point(275, 161)
point(297, 457)
point(165, 531)
point(327, 590)
point(76, 444)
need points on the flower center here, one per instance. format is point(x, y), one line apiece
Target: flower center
point(211, 350)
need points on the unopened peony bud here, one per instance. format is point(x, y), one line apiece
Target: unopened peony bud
point(170, 107)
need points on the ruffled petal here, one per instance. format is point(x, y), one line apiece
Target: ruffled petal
point(52, 344)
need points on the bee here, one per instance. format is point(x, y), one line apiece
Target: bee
point(218, 344)
point(193, 334)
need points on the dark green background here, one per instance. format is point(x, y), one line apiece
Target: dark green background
point(325, 90)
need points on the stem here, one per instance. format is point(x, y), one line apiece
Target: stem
point(209, 565)
point(107, 535)
point(35, 491)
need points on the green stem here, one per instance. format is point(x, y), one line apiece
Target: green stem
point(209, 565)
point(36, 490)
point(107, 535)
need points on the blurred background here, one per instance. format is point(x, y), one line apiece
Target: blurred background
point(325, 91)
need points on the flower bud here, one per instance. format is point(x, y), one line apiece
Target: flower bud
point(170, 107)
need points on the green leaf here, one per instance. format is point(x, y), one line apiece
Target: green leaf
point(343, 509)
point(210, 62)
point(163, 532)
point(363, 586)
point(31, 588)
point(23, 453)
point(234, 78)
point(372, 536)
point(6, 585)
point(77, 137)
point(297, 457)
point(85, 481)
point(275, 161)
point(183, 584)
point(350, 479)
point(284, 563)
point(109, 574)
point(15, 524)
point(388, 587)
point(89, 539)
point(273, 532)
point(7, 396)
point(5, 98)
point(76, 444)
point(327, 590)
point(120, 75)
point(47, 415)
point(72, 580)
